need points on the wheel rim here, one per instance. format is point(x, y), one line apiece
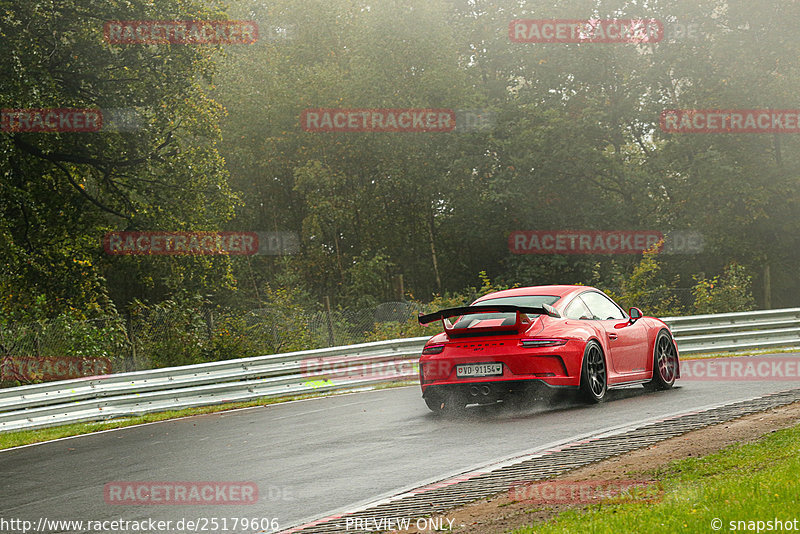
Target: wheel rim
point(665, 359)
point(596, 371)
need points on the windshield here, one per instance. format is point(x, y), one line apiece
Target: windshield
point(529, 301)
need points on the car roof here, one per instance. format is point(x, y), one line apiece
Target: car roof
point(556, 291)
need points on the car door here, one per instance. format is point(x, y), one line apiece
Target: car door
point(627, 342)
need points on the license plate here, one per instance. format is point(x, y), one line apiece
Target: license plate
point(479, 369)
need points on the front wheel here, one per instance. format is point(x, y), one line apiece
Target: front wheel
point(665, 363)
point(594, 378)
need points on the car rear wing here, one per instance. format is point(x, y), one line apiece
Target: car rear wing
point(519, 323)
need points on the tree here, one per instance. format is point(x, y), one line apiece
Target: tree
point(61, 192)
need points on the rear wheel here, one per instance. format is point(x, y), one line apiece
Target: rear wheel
point(594, 377)
point(665, 363)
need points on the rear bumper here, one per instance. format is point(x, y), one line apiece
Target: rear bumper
point(558, 366)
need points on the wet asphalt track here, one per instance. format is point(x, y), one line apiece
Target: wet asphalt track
point(313, 457)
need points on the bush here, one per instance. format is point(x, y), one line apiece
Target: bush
point(170, 333)
point(285, 324)
point(232, 338)
point(69, 336)
point(412, 328)
point(722, 294)
point(645, 289)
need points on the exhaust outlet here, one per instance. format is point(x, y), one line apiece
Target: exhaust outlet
point(485, 390)
point(473, 391)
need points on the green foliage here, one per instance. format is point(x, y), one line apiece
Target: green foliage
point(69, 335)
point(411, 327)
point(102, 338)
point(231, 338)
point(288, 321)
point(61, 192)
point(172, 332)
point(729, 292)
point(487, 286)
point(575, 144)
point(368, 279)
point(644, 288)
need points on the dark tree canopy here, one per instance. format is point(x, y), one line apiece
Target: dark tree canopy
point(573, 143)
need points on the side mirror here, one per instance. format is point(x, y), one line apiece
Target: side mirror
point(635, 314)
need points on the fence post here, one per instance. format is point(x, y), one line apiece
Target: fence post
point(210, 324)
point(327, 301)
point(36, 343)
point(130, 357)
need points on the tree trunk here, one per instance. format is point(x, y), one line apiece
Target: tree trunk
point(433, 255)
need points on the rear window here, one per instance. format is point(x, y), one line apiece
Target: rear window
point(532, 301)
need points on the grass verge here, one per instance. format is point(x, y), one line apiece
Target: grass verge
point(749, 483)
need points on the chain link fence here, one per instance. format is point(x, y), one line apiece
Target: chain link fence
point(670, 302)
point(163, 336)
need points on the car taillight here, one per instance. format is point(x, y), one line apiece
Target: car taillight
point(542, 342)
point(433, 349)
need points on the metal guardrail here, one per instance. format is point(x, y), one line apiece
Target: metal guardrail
point(729, 332)
point(142, 392)
point(319, 371)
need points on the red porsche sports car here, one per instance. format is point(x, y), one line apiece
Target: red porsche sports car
point(557, 336)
